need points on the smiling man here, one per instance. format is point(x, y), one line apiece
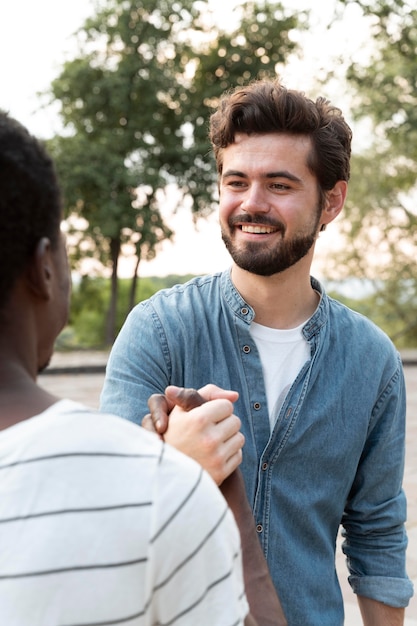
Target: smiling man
point(252, 187)
point(321, 389)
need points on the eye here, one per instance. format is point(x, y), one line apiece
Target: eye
point(235, 183)
point(280, 186)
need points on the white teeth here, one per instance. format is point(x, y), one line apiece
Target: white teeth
point(249, 228)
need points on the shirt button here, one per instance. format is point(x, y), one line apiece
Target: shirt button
point(264, 466)
point(244, 310)
point(246, 349)
point(256, 406)
point(259, 528)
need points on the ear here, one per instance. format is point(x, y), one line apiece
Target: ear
point(335, 200)
point(40, 269)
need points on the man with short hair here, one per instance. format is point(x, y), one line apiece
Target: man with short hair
point(321, 389)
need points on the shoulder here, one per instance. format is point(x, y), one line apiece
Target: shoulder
point(69, 429)
point(347, 317)
point(195, 296)
point(69, 426)
point(363, 342)
point(341, 318)
point(194, 288)
point(350, 335)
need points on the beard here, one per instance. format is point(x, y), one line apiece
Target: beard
point(259, 259)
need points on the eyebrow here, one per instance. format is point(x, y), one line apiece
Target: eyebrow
point(279, 174)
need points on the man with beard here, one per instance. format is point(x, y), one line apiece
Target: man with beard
point(321, 389)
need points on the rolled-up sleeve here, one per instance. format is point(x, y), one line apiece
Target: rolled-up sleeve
point(375, 538)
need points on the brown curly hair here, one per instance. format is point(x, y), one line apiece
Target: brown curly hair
point(266, 106)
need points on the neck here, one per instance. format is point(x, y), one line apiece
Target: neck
point(283, 300)
point(20, 396)
point(23, 349)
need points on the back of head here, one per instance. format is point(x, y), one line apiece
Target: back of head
point(30, 200)
point(266, 106)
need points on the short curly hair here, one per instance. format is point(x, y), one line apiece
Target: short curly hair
point(30, 200)
point(266, 106)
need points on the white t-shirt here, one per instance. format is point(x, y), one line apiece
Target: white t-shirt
point(102, 523)
point(283, 354)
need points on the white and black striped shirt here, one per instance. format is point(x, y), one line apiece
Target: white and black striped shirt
point(101, 523)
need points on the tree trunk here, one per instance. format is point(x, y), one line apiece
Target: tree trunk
point(111, 314)
point(133, 286)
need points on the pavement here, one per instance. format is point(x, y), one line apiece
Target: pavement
point(79, 376)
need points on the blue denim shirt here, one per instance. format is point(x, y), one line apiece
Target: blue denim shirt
point(335, 456)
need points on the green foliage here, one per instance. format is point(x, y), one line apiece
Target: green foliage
point(169, 281)
point(256, 48)
point(137, 100)
point(87, 323)
point(380, 223)
point(87, 319)
point(135, 103)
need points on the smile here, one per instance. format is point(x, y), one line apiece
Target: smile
point(258, 230)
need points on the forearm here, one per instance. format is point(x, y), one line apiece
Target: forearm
point(264, 604)
point(262, 597)
point(378, 614)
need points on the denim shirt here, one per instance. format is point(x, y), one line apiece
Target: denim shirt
point(335, 455)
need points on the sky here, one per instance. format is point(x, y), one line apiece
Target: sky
point(37, 37)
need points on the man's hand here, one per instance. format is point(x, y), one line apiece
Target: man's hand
point(209, 433)
point(264, 603)
point(157, 420)
point(161, 405)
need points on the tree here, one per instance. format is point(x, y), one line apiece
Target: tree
point(381, 224)
point(134, 105)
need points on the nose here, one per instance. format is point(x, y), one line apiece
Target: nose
point(255, 200)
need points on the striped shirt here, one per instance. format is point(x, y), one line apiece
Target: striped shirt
point(102, 523)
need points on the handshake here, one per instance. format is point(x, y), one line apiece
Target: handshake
point(202, 425)
point(209, 434)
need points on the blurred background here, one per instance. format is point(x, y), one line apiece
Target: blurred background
point(122, 90)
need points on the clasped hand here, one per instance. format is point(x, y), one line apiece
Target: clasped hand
point(200, 424)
